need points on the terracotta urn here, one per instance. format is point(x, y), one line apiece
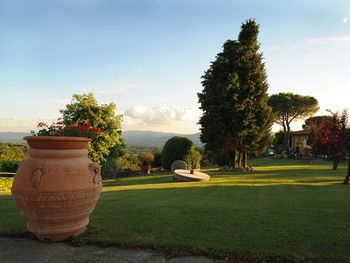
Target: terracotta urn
point(57, 186)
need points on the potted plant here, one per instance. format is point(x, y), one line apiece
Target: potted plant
point(57, 186)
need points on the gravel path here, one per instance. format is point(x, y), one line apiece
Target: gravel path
point(13, 250)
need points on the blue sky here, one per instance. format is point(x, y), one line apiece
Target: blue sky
point(148, 56)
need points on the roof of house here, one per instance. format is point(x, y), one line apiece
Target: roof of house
point(301, 132)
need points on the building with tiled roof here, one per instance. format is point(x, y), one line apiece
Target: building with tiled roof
point(299, 139)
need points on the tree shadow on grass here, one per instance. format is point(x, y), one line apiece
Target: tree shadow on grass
point(314, 175)
point(280, 178)
point(283, 220)
point(134, 180)
point(271, 161)
point(282, 173)
point(300, 221)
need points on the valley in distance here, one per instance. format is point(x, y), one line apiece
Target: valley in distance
point(135, 140)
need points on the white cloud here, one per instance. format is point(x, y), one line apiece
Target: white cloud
point(163, 114)
point(327, 40)
point(162, 118)
point(317, 41)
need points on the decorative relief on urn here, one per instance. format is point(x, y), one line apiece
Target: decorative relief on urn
point(38, 176)
point(96, 173)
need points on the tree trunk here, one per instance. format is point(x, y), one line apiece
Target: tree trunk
point(347, 177)
point(239, 160)
point(232, 159)
point(285, 141)
point(286, 136)
point(244, 159)
point(227, 159)
point(335, 163)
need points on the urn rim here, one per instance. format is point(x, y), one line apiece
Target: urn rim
point(56, 142)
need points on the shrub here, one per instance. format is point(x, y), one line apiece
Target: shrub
point(9, 166)
point(193, 159)
point(129, 161)
point(5, 184)
point(180, 148)
point(109, 169)
point(157, 162)
point(146, 157)
point(278, 141)
point(12, 152)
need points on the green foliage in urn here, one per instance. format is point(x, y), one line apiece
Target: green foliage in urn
point(236, 117)
point(288, 107)
point(84, 109)
point(180, 148)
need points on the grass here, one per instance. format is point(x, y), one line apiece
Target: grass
point(289, 209)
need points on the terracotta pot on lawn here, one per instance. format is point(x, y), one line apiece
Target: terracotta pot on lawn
point(57, 186)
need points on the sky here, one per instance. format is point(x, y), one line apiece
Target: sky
point(148, 56)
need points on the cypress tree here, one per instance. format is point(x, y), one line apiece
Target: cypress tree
point(236, 116)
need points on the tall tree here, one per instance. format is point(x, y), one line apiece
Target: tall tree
point(317, 120)
point(332, 137)
point(254, 114)
point(289, 107)
point(218, 81)
point(85, 109)
point(236, 116)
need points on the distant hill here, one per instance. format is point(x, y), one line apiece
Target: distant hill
point(155, 139)
point(13, 137)
point(137, 138)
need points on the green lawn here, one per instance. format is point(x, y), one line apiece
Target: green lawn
point(289, 209)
